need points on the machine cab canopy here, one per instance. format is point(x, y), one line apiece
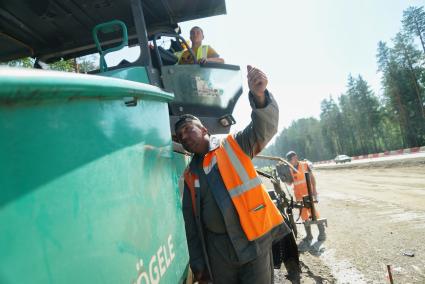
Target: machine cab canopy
point(50, 30)
point(55, 29)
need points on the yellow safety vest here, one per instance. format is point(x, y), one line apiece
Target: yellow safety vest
point(202, 52)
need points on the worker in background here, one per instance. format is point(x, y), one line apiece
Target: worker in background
point(300, 190)
point(203, 53)
point(230, 220)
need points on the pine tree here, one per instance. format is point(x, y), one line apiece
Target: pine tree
point(414, 23)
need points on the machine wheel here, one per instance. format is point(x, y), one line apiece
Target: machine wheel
point(286, 251)
point(291, 257)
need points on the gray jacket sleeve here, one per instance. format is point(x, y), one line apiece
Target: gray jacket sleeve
point(197, 262)
point(263, 126)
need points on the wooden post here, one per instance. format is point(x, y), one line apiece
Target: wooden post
point(390, 275)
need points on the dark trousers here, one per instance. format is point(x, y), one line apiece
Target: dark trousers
point(226, 269)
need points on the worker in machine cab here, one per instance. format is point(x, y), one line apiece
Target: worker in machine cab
point(300, 190)
point(230, 220)
point(203, 53)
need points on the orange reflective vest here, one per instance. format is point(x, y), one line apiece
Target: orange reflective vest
point(300, 188)
point(257, 212)
point(300, 184)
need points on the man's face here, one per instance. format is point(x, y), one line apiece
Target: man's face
point(196, 35)
point(193, 137)
point(294, 160)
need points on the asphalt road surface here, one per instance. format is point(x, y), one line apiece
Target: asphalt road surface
point(376, 217)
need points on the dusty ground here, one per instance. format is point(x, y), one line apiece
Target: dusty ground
point(376, 213)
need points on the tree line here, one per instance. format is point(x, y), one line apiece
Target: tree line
point(359, 122)
point(82, 64)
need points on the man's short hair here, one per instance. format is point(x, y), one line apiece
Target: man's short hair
point(185, 118)
point(196, 27)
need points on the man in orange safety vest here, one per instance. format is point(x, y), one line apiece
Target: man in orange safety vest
point(300, 190)
point(230, 220)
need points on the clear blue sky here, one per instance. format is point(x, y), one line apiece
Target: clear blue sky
point(306, 47)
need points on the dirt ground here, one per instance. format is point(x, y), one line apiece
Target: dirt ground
point(376, 217)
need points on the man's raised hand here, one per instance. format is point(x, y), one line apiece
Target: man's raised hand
point(257, 82)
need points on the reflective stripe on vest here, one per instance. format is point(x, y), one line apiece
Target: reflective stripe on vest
point(202, 52)
point(257, 212)
point(247, 183)
point(299, 182)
